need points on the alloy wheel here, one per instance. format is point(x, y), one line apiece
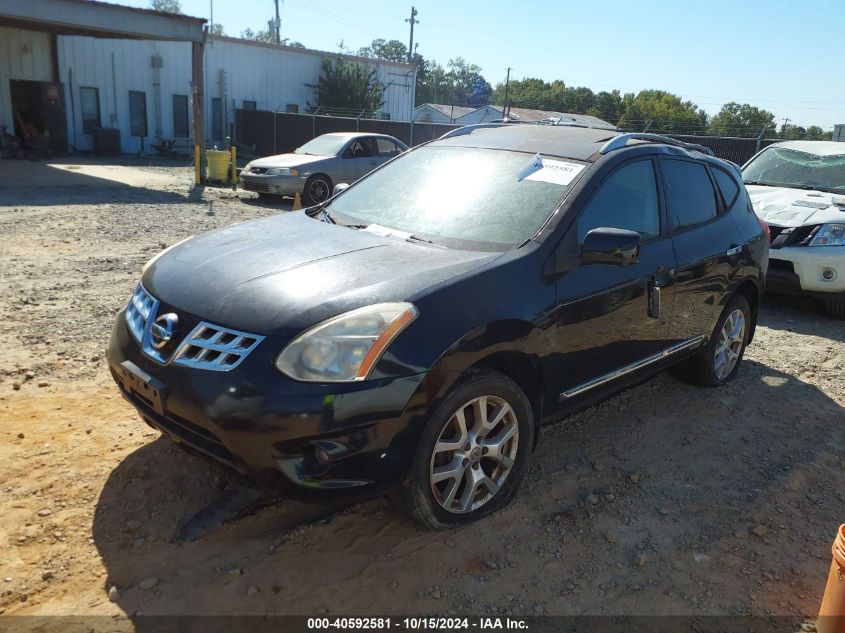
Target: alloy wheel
point(474, 454)
point(318, 191)
point(729, 347)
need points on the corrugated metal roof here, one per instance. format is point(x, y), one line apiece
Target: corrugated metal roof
point(448, 110)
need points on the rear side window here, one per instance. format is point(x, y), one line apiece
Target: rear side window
point(690, 197)
point(727, 186)
point(626, 200)
point(386, 147)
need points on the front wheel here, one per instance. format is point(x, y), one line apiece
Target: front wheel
point(318, 188)
point(718, 361)
point(473, 453)
point(833, 308)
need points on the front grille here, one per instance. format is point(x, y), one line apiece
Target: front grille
point(260, 187)
point(791, 236)
point(215, 348)
point(141, 307)
point(208, 346)
point(258, 170)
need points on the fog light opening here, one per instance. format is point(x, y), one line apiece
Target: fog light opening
point(828, 274)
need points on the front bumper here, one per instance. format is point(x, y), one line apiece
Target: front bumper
point(277, 185)
point(287, 435)
point(801, 270)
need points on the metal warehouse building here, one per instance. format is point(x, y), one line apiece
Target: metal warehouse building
point(71, 66)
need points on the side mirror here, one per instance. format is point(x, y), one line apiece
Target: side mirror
point(611, 246)
point(341, 186)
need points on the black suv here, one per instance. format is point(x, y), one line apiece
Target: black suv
point(416, 329)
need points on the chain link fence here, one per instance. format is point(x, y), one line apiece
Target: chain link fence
point(263, 133)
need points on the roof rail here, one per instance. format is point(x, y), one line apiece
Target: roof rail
point(469, 129)
point(618, 142)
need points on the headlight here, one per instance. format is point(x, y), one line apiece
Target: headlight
point(157, 255)
point(282, 171)
point(829, 235)
point(345, 348)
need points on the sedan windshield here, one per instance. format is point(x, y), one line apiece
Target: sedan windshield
point(781, 167)
point(460, 197)
point(325, 145)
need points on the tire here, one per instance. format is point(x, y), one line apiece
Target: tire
point(707, 368)
point(834, 308)
point(505, 404)
point(318, 188)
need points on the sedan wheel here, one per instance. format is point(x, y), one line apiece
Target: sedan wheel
point(318, 188)
point(473, 452)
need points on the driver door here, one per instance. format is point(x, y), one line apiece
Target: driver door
point(610, 317)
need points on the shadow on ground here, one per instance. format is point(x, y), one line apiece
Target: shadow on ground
point(733, 484)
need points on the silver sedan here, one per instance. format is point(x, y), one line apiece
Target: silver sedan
point(313, 169)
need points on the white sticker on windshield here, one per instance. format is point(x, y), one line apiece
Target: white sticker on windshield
point(535, 164)
point(557, 172)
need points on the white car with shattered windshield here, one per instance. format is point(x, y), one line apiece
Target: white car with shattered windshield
point(798, 188)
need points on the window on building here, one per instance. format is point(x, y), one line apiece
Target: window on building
point(89, 103)
point(384, 116)
point(293, 108)
point(137, 113)
point(217, 118)
point(180, 116)
point(626, 200)
point(250, 105)
point(690, 197)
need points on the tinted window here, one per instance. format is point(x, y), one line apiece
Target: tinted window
point(727, 186)
point(690, 198)
point(137, 113)
point(180, 116)
point(626, 200)
point(386, 147)
point(89, 100)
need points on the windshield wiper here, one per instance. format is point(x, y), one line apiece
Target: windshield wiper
point(757, 182)
point(417, 238)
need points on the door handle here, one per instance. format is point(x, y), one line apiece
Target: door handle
point(733, 250)
point(654, 301)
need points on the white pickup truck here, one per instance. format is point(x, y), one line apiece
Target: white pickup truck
point(798, 188)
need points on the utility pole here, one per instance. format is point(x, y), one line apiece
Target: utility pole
point(277, 23)
point(507, 85)
point(413, 21)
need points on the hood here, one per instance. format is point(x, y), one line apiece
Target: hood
point(286, 160)
point(282, 274)
point(782, 206)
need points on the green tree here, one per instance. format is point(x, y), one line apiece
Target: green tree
point(349, 86)
point(792, 132)
point(166, 6)
point(263, 35)
point(815, 133)
point(217, 29)
point(391, 51)
point(469, 88)
point(741, 120)
point(662, 111)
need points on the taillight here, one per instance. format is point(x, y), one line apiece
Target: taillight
point(766, 231)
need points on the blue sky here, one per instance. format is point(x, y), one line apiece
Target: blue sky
point(786, 57)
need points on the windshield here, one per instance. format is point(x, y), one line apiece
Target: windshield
point(783, 167)
point(325, 145)
point(461, 197)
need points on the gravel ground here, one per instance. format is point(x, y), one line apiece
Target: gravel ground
point(666, 499)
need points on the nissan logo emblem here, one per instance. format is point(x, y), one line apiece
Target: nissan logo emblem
point(162, 329)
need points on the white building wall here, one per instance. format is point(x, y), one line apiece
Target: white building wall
point(276, 77)
point(23, 55)
point(271, 76)
point(426, 114)
point(115, 67)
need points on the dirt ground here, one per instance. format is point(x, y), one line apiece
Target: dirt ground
point(667, 499)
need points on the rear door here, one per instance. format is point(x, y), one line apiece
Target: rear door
point(707, 245)
point(608, 318)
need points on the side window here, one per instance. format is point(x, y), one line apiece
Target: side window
point(626, 200)
point(386, 147)
point(690, 197)
point(727, 186)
